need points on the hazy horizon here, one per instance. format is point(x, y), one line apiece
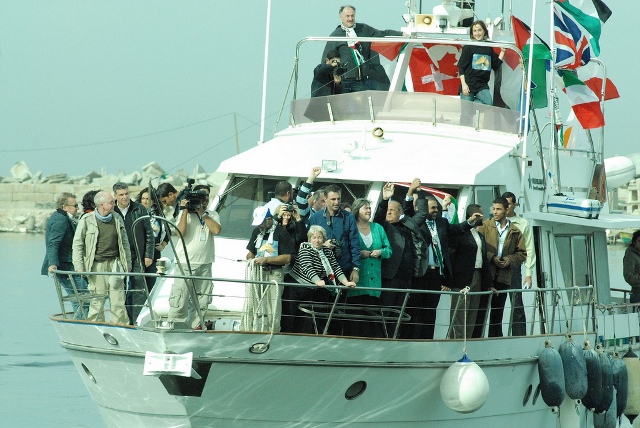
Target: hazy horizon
point(87, 85)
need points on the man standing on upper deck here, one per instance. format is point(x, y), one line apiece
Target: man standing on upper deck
point(519, 322)
point(100, 244)
point(364, 68)
point(141, 243)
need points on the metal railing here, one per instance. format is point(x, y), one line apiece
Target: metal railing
point(552, 311)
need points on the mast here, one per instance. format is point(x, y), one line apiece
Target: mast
point(264, 75)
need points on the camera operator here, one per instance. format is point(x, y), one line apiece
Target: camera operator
point(327, 77)
point(198, 227)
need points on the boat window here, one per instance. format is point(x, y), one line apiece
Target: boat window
point(236, 207)
point(484, 196)
point(573, 265)
point(244, 194)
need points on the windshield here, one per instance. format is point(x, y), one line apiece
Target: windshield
point(244, 194)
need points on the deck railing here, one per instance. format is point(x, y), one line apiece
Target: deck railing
point(426, 107)
point(547, 310)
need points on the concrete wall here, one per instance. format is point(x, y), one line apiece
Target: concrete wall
point(26, 207)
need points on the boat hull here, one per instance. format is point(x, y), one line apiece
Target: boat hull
point(300, 380)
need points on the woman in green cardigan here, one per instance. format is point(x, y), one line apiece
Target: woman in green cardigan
point(374, 246)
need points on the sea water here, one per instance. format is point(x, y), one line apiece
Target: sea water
point(39, 386)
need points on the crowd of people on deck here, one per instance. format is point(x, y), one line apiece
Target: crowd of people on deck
point(333, 256)
point(354, 266)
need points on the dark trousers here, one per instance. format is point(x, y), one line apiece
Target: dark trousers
point(135, 296)
point(151, 280)
point(422, 306)
point(495, 316)
point(352, 85)
point(293, 319)
point(519, 320)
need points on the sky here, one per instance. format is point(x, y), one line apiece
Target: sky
point(94, 85)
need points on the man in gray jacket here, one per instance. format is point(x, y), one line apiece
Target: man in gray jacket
point(100, 244)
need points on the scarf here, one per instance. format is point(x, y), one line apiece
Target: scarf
point(326, 265)
point(104, 219)
point(260, 236)
point(435, 244)
point(73, 220)
point(353, 44)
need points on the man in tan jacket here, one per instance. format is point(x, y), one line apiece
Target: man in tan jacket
point(100, 244)
point(505, 253)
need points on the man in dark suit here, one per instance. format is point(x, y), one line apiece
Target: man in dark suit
point(436, 231)
point(470, 268)
point(408, 257)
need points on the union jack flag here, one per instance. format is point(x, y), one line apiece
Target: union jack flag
point(572, 41)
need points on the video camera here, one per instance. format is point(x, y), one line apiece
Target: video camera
point(195, 198)
point(341, 69)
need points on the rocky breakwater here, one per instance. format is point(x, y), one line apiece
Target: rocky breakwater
point(27, 200)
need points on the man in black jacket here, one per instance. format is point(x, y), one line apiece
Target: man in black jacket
point(59, 232)
point(438, 277)
point(470, 269)
point(407, 243)
point(141, 242)
point(364, 68)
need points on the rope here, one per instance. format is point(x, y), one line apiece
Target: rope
point(464, 292)
point(257, 308)
point(253, 297)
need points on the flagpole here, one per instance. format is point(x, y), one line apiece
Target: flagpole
point(527, 103)
point(264, 76)
point(555, 111)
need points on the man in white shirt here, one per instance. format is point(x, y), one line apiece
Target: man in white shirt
point(198, 227)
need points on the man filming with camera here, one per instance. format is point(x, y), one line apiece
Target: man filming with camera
point(198, 227)
point(327, 77)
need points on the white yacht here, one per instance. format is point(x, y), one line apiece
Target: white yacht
point(159, 373)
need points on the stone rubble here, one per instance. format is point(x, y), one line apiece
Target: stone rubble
point(27, 200)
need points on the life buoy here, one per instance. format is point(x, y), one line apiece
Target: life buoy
point(594, 377)
point(606, 419)
point(464, 386)
point(575, 369)
point(607, 381)
point(632, 363)
point(551, 375)
point(620, 383)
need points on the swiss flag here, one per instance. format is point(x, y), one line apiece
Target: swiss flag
point(434, 68)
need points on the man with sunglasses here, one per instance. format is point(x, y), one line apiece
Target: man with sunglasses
point(59, 232)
